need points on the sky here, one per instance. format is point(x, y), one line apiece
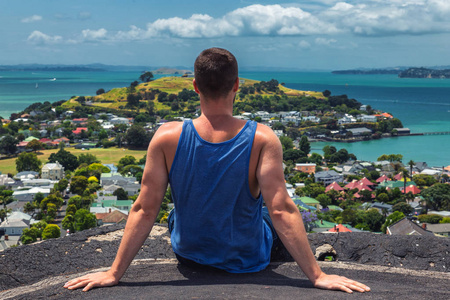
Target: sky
point(304, 35)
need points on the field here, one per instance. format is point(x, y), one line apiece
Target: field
point(106, 156)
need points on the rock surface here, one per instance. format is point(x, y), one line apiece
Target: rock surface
point(40, 270)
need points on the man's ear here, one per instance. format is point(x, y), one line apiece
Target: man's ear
point(195, 86)
point(236, 85)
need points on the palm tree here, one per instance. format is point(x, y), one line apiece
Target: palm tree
point(411, 163)
point(405, 176)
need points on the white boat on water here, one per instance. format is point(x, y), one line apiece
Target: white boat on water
point(54, 79)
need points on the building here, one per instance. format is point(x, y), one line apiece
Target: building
point(360, 131)
point(407, 227)
point(52, 171)
point(327, 177)
point(306, 168)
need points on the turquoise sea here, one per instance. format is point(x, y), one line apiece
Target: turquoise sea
point(423, 105)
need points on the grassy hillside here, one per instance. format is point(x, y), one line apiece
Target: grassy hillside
point(117, 98)
point(106, 156)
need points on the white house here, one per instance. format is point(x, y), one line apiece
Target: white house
point(28, 195)
point(52, 171)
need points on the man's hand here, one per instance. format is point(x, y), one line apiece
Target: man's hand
point(335, 282)
point(89, 281)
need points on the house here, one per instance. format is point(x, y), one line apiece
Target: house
point(347, 119)
point(13, 227)
point(360, 131)
point(327, 177)
point(80, 121)
point(119, 120)
point(311, 202)
point(407, 227)
point(306, 168)
point(28, 195)
point(52, 171)
point(381, 206)
point(111, 218)
point(116, 179)
point(79, 130)
point(368, 118)
point(26, 175)
point(5, 180)
point(403, 131)
point(441, 229)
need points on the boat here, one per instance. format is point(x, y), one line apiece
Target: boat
point(54, 79)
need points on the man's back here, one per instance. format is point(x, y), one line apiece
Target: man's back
point(217, 222)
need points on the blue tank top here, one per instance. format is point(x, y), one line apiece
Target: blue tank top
point(217, 220)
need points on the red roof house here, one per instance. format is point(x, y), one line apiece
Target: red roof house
point(334, 186)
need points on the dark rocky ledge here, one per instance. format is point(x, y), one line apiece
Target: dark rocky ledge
point(393, 266)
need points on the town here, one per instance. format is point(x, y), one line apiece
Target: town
point(72, 165)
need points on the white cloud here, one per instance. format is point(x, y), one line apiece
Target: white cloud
point(33, 18)
point(39, 38)
point(365, 17)
point(84, 15)
point(324, 42)
point(93, 35)
point(304, 45)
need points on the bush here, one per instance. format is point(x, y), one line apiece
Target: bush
point(432, 219)
point(51, 232)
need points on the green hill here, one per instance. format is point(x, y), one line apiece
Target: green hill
point(150, 91)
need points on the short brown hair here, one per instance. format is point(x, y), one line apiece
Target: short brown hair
point(216, 71)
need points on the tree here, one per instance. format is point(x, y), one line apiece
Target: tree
point(65, 158)
point(324, 200)
point(34, 145)
point(286, 143)
point(326, 93)
point(87, 159)
point(146, 77)
point(374, 219)
point(29, 235)
point(121, 194)
point(8, 144)
point(304, 145)
point(51, 231)
point(133, 100)
point(137, 136)
point(78, 184)
point(100, 91)
point(28, 162)
point(391, 219)
point(437, 197)
point(83, 219)
point(68, 222)
point(411, 164)
point(403, 207)
point(132, 170)
point(125, 161)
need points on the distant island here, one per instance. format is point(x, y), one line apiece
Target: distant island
point(424, 73)
point(402, 72)
point(368, 72)
point(50, 68)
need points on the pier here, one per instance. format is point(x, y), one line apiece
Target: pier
point(437, 133)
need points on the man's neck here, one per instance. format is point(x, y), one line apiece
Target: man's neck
point(217, 111)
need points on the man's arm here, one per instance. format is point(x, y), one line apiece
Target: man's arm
point(141, 218)
point(286, 217)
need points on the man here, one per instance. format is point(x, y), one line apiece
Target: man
point(220, 169)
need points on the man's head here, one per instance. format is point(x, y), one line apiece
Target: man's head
point(216, 71)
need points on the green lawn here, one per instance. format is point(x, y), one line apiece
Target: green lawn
point(106, 156)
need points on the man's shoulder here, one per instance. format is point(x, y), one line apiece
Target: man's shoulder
point(264, 134)
point(168, 132)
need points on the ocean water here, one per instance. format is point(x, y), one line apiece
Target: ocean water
point(423, 105)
